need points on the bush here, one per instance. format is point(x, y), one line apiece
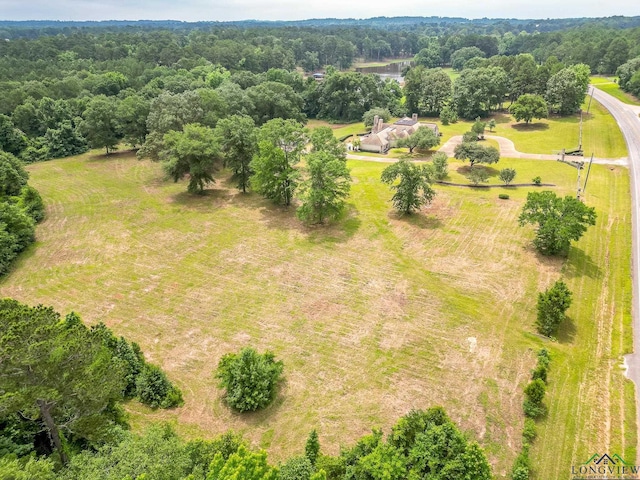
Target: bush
point(31, 203)
point(478, 175)
point(312, 447)
point(448, 115)
point(507, 175)
point(529, 431)
point(440, 164)
point(537, 181)
point(534, 394)
point(153, 388)
point(249, 378)
point(296, 468)
point(552, 305)
point(503, 196)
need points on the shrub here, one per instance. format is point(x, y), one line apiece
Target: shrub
point(478, 176)
point(296, 468)
point(31, 203)
point(448, 115)
point(534, 394)
point(503, 196)
point(153, 388)
point(312, 447)
point(529, 431)
point(507, 175)
point(249, 378)
point(552, 305)
point(537, 181)
point(540, 372)
point(440, 166)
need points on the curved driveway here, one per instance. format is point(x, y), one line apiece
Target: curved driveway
point(627, 118)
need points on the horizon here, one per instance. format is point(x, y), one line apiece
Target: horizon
point(291, 11)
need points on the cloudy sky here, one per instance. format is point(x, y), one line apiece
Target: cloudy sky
point(193, 10)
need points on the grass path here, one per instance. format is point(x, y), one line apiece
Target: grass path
point(373, 316)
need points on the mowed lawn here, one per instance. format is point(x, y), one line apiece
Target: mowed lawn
point(600, 132)
point(372, 317)
point(612, 88)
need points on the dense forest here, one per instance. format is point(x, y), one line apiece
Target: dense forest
point(163, 87)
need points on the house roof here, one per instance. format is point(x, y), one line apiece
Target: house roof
point(406, 121)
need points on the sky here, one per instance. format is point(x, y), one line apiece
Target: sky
point(222, 10)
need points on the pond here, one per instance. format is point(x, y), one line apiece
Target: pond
point(391, 70)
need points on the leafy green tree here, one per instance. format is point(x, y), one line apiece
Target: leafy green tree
point(476, 153)
point(17, 232)
point(323, 140)
point(440, 164)
point(31, 203)
point(239, 143)
point(28, 468)
point(478, 128)
point(132, 113)
point(429, 57)
point(194, 151)
point(427, 91)
point(478, 175)
point(13, 176)
point(507, 175)
point(312, 447)
point(567, 89)
point(12, 140)
point(491, 125)
point(72, 391)
point(552, 306)
point(423, 138)
point(296, 468)
point(249, 378)
point(280, 147)
point(477, 92)
point(369, 115)
point(460, 57)
point(100, 126)
point(558, 220)
point(324, 191)
point(64, 141)
point(414, 187)
point(528, 107)
point(383, 463)
point(448, 115)
point(242, 465)
point(275, 100)
point(153, 388)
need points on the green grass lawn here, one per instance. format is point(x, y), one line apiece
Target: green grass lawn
point(372, 316)
point(607, 84)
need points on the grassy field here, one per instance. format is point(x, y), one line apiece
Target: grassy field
point(608, 85)
point(372, 316)
point(600, 135)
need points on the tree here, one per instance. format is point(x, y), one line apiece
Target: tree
point(478, 128)
point(463, 55)
point(275, 100)
point(312, 447)
point(153, 388)
point(369, 115)
point(194, 151)
point(440, 166)
point(476, 153)
point(559, 220)
point(250, 378)
point(239, 141)
point(242, 465)
point(477, 92)
point(566, 89)
point(100, 125)
point(323, 140)
point(507, 175)
point(552, 306)
point(57, 373)
point(30, 202)
point(280, 146)
point(13, 176)
point(423, 138)
point(491, 125)
point(478, 175)
point(534, 395)
point(448, 115)
point(296, 468)
point(528, 107)
point(64, 141)
point(414, 188)
point(132, 115)
point(17, 232)
point(12, 140)
point(325, 189)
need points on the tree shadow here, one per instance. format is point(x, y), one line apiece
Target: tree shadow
point(205, 201)
point(465, 169)
point(500, 118)
point(419, 220)
point(567, 331)
point(112, 156)
point(340, 230)
point(578, 263)
point(530, 127)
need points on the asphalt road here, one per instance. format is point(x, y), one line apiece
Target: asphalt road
point(629, 122)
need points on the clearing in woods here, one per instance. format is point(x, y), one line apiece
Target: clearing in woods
point(372, 317)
